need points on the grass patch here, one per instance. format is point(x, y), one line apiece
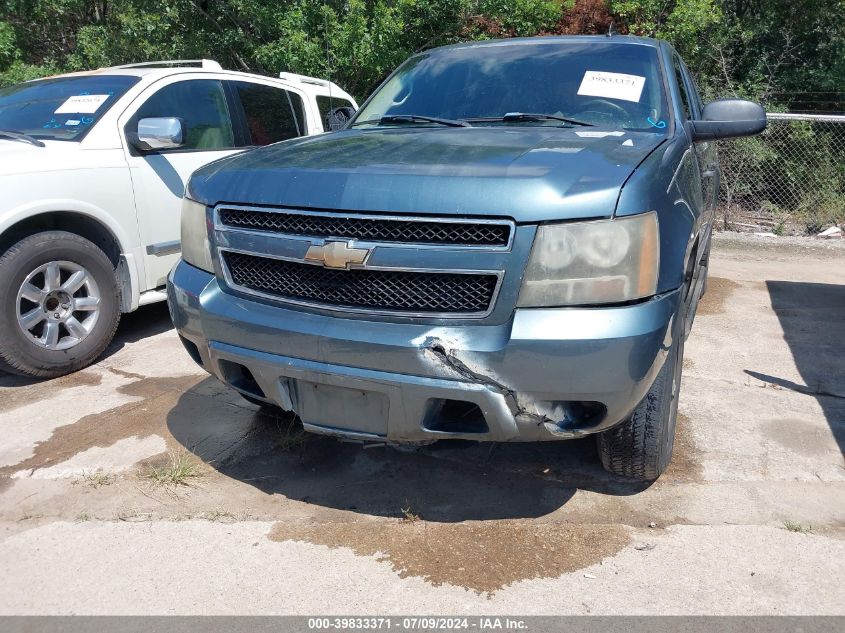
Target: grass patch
point(291, 434)
point(794, 526)
point(82, 517)
point(178, 471)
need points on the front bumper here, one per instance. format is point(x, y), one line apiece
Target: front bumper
point(544, 374)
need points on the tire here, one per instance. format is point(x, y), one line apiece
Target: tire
point(59, 304)
point(641, 447)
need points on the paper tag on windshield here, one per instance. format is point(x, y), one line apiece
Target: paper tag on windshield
point(81, 104)
point(612, 85)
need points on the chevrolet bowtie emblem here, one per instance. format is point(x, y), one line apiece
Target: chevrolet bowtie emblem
point(336, 254)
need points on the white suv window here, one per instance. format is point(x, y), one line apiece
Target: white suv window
point(270, 114)
point(201, 104)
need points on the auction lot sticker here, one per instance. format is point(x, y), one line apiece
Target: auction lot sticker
point(82, 104)
point(612, 85)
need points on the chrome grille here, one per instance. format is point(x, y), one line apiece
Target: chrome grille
point(372, 229)
point(369, 289)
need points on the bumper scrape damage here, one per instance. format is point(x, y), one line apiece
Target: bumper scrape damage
point(545, 374)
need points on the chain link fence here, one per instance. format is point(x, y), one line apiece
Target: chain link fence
point(788, 180)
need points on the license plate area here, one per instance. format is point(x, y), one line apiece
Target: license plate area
point(346, 408)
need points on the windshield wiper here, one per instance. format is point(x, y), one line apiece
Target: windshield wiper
point(414, 118)
point(18, 136)
point(531, 116)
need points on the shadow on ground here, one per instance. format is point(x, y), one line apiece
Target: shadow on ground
point(812, 317)
point(146, 321)
point(447, 481)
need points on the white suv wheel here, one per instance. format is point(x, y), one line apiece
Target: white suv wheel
point(58, 305)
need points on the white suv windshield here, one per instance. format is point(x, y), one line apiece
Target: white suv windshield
point(63, 108)
point(601, 84)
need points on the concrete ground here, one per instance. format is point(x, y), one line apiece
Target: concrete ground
point(141, 486)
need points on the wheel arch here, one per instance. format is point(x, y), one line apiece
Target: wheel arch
point(87, 221)
point(82, 224)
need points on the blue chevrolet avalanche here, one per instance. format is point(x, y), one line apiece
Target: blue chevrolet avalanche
point(507, 242)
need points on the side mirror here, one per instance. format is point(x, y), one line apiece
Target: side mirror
point(729, 118)
point(160, 133)
point(339, 117)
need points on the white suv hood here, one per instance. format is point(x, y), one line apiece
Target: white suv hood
point(20, 157)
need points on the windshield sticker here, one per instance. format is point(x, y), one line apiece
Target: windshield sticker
point(612, 86)
point(72, 122)
point(81, 104)
point(658, 124)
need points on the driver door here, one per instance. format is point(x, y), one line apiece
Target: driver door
point(159, 177)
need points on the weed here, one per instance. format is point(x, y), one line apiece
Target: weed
point(218, 516)
point(176, 472)
point(408, 514)
point(82, 517)
point(793, 526)
point(95, 479)
point(291, 434)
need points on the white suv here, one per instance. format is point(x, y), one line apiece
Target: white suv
point(92, 169)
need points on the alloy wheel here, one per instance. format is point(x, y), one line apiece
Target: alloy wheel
point(58, 305)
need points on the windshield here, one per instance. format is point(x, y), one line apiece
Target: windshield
point(609, 85)
point(62, 109)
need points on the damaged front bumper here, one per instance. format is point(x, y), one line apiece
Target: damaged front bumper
point(544, 374)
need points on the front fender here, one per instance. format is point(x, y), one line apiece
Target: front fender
point(33, 208)
point(668, 181)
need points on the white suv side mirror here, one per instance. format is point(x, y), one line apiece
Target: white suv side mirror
point(161, 133)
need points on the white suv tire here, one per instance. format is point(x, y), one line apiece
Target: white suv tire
point(59, 304)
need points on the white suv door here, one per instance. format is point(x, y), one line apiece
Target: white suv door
point(159, 177)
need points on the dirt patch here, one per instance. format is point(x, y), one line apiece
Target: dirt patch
point(718, 292)
point(688, 363)
point(139, 419)
point(27, 392)
point(800, 437)
point(686, 458)
point(482, 556)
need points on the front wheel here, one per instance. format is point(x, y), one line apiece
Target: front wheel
point(59, 305)
point(641, 446)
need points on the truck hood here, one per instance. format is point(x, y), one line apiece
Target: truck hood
point(527, 173)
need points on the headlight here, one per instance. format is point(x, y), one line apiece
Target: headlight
point(195, 247)
point(585, 263)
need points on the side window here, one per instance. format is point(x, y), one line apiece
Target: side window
point(326, 104)
point(272, 114)
point(201, 104)
point(682, 86)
